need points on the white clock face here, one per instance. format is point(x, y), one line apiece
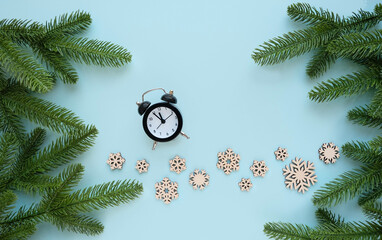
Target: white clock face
point(162, 122)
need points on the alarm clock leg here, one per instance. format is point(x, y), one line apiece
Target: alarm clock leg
point(154, 145)
point(184, 135)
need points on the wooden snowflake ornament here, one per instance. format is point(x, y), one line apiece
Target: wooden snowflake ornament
point(299, 175)
point(142, 166)
point(281, 154)
point(166, 190)
point(259, 168)
point(199, 179)
point(115, 160)
point(177, 164)
point(329, 153)
point(228, 161)
point(245, 184)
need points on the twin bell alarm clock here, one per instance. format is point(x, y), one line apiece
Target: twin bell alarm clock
point(162, 121)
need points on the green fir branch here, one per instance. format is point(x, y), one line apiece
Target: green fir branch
point(376, 142)
point(28, 148)
point(83, 224)
point(358, 45)
point(17, 231)
point(351, 84)
point(91, 198)
point(99, 196)
point(293, 44)
point(360, 115)
point(43, 112)
point(362, 20)
point(319, 63)
point(68, 179)
point(362, 152)
point(375, 108)
point(371, 195)
point(62, 151)
point(10, 122)
point(83, 50)
point(324, 216)
point(279, 230)
point(351, 230)
point(60, 65)
point(348, 185)
point(373, 210)
point(32, 184)
point(23, 67)
point(7, 199)
point(21, 31)
point(68, 24)
point(8, 151)
point(303, 12)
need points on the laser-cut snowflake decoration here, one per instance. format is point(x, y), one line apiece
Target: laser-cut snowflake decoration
point(115, 160)
point(329, 153)
point(228, 161)
point(199, 179)
point(259, 168)
point(245, 184)
point(177, 164)
point(299, 175)
point(142, 166)
point(166, 190)
point(281, 154)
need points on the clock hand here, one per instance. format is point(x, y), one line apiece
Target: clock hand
point(159, 126)
point(161, 118)
point(169, 116)
point(157, 116)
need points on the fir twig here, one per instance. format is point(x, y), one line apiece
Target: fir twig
point(287, 231)
point(305, 13)
point(362, 152)
point(293, 44)
point(348, 185)
point(87, 51)
point(356, 83)
point(68, 24)
point(361, 116)
point(22, 67)
point(42, 112)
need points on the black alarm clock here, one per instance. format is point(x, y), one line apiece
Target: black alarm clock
point(162, 121)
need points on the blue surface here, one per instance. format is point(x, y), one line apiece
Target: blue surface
point(202, 50)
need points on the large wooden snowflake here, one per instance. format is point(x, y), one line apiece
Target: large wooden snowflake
point(299, 175)
point(166, 190)
point(228, 161)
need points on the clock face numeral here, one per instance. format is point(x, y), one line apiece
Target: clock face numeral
point(162, 122)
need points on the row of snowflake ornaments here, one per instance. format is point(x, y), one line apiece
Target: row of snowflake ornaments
point(299, 175)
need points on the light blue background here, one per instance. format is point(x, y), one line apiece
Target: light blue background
point(202, 50)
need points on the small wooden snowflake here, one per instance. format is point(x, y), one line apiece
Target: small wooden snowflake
point(329, 153)
point(178, 164)
point(228, 161)
point(166, 190)
point(245, 184)
point(259, 168)
point(142, 166)
point(199, 179)
point(115, 160)
point(299, 175)
point(281, 154)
